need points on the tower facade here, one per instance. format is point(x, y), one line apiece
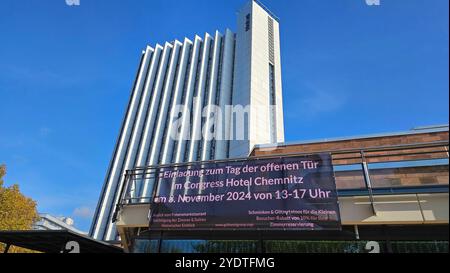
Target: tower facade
point(209, 98)
point(257, 78)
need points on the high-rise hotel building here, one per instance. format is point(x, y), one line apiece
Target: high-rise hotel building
point(241, 69)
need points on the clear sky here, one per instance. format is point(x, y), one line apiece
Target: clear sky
point(66, 74)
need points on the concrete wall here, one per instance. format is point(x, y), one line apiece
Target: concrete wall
point(395, 209)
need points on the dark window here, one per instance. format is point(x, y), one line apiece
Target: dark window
point(247, 22)
point(273, 104)
point(271, 42)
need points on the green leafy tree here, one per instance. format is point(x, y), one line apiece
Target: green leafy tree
point(17, 212)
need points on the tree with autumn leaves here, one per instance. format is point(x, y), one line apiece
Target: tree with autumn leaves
point(17, 212)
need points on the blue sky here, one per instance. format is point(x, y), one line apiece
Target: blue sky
point(66, 73)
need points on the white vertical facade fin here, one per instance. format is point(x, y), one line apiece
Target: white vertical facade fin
point(152, 112)
point(226, 88)
point(196, 133)
point(111, 183)
point(169, 142)
point(142, 112)
point(158, 131)
point(180, 147)
point(164, 107)
point(278, 84)
point(211, 93)
point(138, 127)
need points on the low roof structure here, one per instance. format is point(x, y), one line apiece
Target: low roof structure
point(55, 241)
